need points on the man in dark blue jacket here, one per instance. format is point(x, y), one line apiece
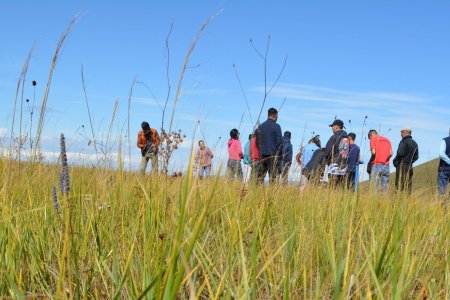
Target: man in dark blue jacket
point(444, 165)
point(286, 156)
point(268, 141)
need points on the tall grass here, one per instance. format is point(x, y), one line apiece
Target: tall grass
point(115, 236)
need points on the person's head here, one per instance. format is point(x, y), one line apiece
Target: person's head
point(250, 136)
point(372, 133)
point(234, 134)
point(287, 134)
point(405, 131)
point(316, 140)
point(351, 137)
point(201, 144)
point(337, 125)
point(272, 114)
point(145, 126)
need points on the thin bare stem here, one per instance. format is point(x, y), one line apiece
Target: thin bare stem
point(282, 104)
point(151, 93)
point(243, 93)
point(129, 108)
point(89, 113)
point(20, 81)
point(183, 69)
point(167, 53)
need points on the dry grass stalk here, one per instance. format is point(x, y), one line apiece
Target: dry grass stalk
point(40, 125)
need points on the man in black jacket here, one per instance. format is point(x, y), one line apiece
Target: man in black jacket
point(336, 152)
point(407, 154)
point(268, 142)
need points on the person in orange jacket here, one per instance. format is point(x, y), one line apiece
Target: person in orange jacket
point(148, 141)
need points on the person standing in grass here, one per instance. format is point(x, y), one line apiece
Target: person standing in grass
point(353, 160)
point(148, 141)
point(381, 149)
point(247, 159)
point(203, 158)
point(268, 141)
point(254, 157)
point(286, 156)
point(310, 158)
point(407, 154)
point(235, 155)
point(336, 153)
point(444, 165)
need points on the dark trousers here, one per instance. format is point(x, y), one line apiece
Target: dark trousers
point(267, 164)
point(403, 178)
point(443, 180)
point(350, 178)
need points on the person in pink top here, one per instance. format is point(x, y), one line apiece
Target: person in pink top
point(234, 155)
point(203, 159)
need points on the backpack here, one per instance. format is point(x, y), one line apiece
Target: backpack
point(344, 149)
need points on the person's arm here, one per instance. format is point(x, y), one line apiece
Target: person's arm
point(290, 154)
point(416, 153)
point(329, 148)
point(210, 153)
point(156, 139)
point(258, 138)
point(442, 153)
point(239, 148)
point(278, 136)
point(139, 141)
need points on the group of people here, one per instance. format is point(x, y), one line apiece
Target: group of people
point(268, 151)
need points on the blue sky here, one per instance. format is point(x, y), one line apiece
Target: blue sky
point(388, 60)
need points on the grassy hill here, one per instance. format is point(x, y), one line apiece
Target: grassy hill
point(424, 181)
point(425, 177)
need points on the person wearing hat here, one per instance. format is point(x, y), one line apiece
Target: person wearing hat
point(268, 141)
point(336, 153)
point(235, 155)
point(444, 165)
point(148, 141)
point(407, 154)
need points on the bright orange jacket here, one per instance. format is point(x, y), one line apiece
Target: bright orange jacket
point(154, 139)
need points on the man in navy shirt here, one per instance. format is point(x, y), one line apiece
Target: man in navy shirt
point(268, 142)
point(353, 160)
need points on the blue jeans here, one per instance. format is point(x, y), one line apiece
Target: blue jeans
point(205, 171)
point(380, 173)
point(443, 179)
point(235, 168)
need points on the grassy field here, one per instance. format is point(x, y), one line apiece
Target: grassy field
point(119, 235)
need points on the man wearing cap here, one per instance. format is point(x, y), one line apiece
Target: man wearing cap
point(381, 150)
point(268, 142)
point(407, 154)
point(335, 156)
point(148, 141)
point(444, 165)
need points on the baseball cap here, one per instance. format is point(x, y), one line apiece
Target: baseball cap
point(337, 122)
point(407, 128)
